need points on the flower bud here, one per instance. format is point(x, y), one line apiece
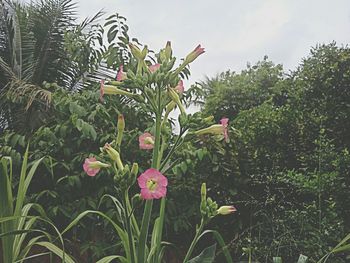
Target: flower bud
point(144, 52)
point(134, 169)
point(168, 51)
point(194, 54)
point(213, 129)
point(114, 155)
point(226, 210)
point(175, 97)
point(169, 108)
point(112, 90)
point(204, 192)
point(102, 83)
point(98, 164)
point(136, 52)
point(120, 128)
point(208, 119)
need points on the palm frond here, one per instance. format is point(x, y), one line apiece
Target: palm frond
point(51, 19)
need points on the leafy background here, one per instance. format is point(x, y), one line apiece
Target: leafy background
point(286, 167)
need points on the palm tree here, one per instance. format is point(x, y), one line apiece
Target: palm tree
point(40, 43)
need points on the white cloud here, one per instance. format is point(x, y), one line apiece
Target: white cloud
point(233, 31)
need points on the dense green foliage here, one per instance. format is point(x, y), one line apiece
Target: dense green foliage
point(286, 167)
point(293, 152)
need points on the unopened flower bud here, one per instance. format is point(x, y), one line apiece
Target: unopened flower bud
point(226, 210)
point(209, 119)
point(168, 51)
point(112, 90)
point(213, 129)
point(144, 52)
point(136, 52)
point(171, 105)
point(120, 128)
point(194, 54)
point(204, 191)
point(134, 169)
point(114, 155)
point(175, 97)
point(97, 165)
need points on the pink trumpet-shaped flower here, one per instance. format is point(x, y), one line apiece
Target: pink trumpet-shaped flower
point(154, 68)
point(146, 141)
point(121, 75)
point(102, 83)
point(86, 166)
point(194, 54)
point(153, 184)
point(226, 210)
point(221, 129)
point(224, 123)
point(180, 87)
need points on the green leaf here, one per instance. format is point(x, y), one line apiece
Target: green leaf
point(302, 259)
point(110, 258)
point(221, 242)
point(200, 154)
point(206, 256)
point(341, 249)
point(183, 167)
point(74, 108)
point(56, 250)
point(277, 260)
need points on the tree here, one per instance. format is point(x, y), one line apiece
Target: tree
point(39, 42)
point(231, 92)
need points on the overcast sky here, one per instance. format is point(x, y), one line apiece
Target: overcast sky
point(233, 32)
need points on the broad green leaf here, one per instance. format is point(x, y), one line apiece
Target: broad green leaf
point(206, 256)
point(56, 250)
point(74, 108)
point(121, 233)
point(341, 249)
point(221, 242)
point(110, 258)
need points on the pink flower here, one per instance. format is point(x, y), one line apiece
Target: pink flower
point(153, 184)
point(146, 141)
point(92, 167)
point(121, 75)
point(224, 123)
point(194, 54)
point(199, 50)
point(180, 87)
point(102, 83)
point(154, 68)
point(90, 171)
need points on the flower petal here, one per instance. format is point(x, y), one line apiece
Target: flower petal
point(146, 194)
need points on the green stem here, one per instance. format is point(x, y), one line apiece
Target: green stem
point(148, 207)
point(161, 152)
point(131, 215)
point(194, 242)
point(172, 150)
point(144, 231)
point(128, 229)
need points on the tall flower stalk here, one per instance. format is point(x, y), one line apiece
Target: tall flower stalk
point(159, 88)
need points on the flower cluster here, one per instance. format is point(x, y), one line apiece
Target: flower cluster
point(159, 89)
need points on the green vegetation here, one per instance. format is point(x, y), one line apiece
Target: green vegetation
point(286, 167)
